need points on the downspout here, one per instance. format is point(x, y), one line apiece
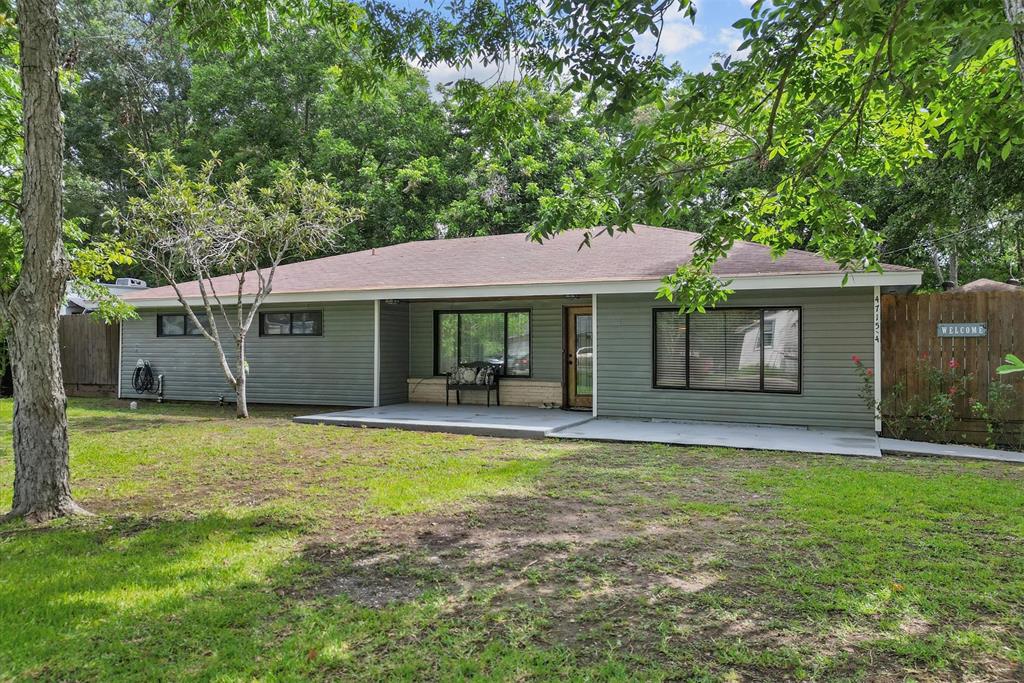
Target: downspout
point(878, 358)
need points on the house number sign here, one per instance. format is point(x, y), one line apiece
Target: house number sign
point(963, 329)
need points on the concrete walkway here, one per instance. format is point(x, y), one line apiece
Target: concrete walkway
point(795, 439)
point(902, 447)
point(508, 421)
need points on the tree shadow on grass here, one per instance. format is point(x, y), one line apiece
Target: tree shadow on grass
point(143, 599)
point(111, 415)
point(114, 424)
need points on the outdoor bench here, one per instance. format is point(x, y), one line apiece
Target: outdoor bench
point(475, 376)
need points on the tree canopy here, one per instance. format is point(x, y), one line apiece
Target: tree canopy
point(847, 128)
point(418, 162)
point(826, 93)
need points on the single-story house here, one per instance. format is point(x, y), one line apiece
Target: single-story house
point(568, 327)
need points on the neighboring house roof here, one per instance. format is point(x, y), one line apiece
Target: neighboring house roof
point(986, 285)
point(75, 302)
point(645, 255)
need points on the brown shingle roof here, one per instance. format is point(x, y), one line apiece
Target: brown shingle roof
point(986, 285)
point(649, 253)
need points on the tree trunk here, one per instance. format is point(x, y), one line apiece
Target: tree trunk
point(41, 481)
point(241, 404)
point(1015, 15)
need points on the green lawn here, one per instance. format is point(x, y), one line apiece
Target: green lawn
point(232, 550)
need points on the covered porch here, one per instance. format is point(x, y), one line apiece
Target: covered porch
point(542, 349)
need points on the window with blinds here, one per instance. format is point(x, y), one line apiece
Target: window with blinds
point(670, 350)
point(729, 349)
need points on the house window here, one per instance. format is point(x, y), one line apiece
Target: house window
point(729, 349)
point(180, 325)
point(294, 324)
point(498, 337)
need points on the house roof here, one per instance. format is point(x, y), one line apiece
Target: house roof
point(986, 285)
point(646, 254)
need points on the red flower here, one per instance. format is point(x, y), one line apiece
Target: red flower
point(869, 372)
point(953, 364)
point(855, 358)
point(952, 391)
point(924, 355)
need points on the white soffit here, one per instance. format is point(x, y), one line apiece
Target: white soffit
point(741, 283)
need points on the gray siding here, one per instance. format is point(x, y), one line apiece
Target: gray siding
point(546, 332)
point(837, 323)
point(334, 369)
point(394, 353)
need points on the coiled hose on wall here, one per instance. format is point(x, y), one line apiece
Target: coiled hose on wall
point(142, 379)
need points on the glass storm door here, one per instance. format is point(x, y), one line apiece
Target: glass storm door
point(579, 357)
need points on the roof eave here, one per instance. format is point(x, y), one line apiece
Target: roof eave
point(910, 278)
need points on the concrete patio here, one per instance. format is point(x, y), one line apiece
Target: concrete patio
point(538, 423)
point(514, 421)
point(508, 421)
point(731, 435)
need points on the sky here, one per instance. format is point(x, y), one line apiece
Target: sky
point(692, 45)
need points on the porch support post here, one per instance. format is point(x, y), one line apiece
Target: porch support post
point(593, 353)
point(877, 305)
point(376, 353)
point(120, 350)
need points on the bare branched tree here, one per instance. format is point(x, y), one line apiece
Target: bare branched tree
point(219, 245)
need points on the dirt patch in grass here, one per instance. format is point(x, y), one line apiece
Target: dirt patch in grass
point(670, 556)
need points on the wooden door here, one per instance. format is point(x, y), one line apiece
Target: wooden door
point(579, 356)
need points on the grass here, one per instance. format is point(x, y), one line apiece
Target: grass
point(226, 550)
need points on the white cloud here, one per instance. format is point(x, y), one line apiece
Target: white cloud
point(727, 43)
point(487, 74)
point(678, 35)
point(730, 40)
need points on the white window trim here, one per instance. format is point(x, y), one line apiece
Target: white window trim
point(877, 334)
point(593, 353)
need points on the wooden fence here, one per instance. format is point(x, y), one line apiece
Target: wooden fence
point(88, 356)
point(912, 350)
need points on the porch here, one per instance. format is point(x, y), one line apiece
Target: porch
point(505, 421)
point(541, 347)
point(537, 423)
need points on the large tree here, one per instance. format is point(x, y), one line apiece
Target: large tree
point(41, 483)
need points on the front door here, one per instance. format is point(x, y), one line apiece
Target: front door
point(579, 356)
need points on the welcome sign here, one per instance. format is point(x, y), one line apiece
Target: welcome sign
point(963, 329)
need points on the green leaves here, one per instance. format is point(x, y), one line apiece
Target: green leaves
point(1013, 364)
point(186, 225)
point(693, 290)
point(769, 147)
